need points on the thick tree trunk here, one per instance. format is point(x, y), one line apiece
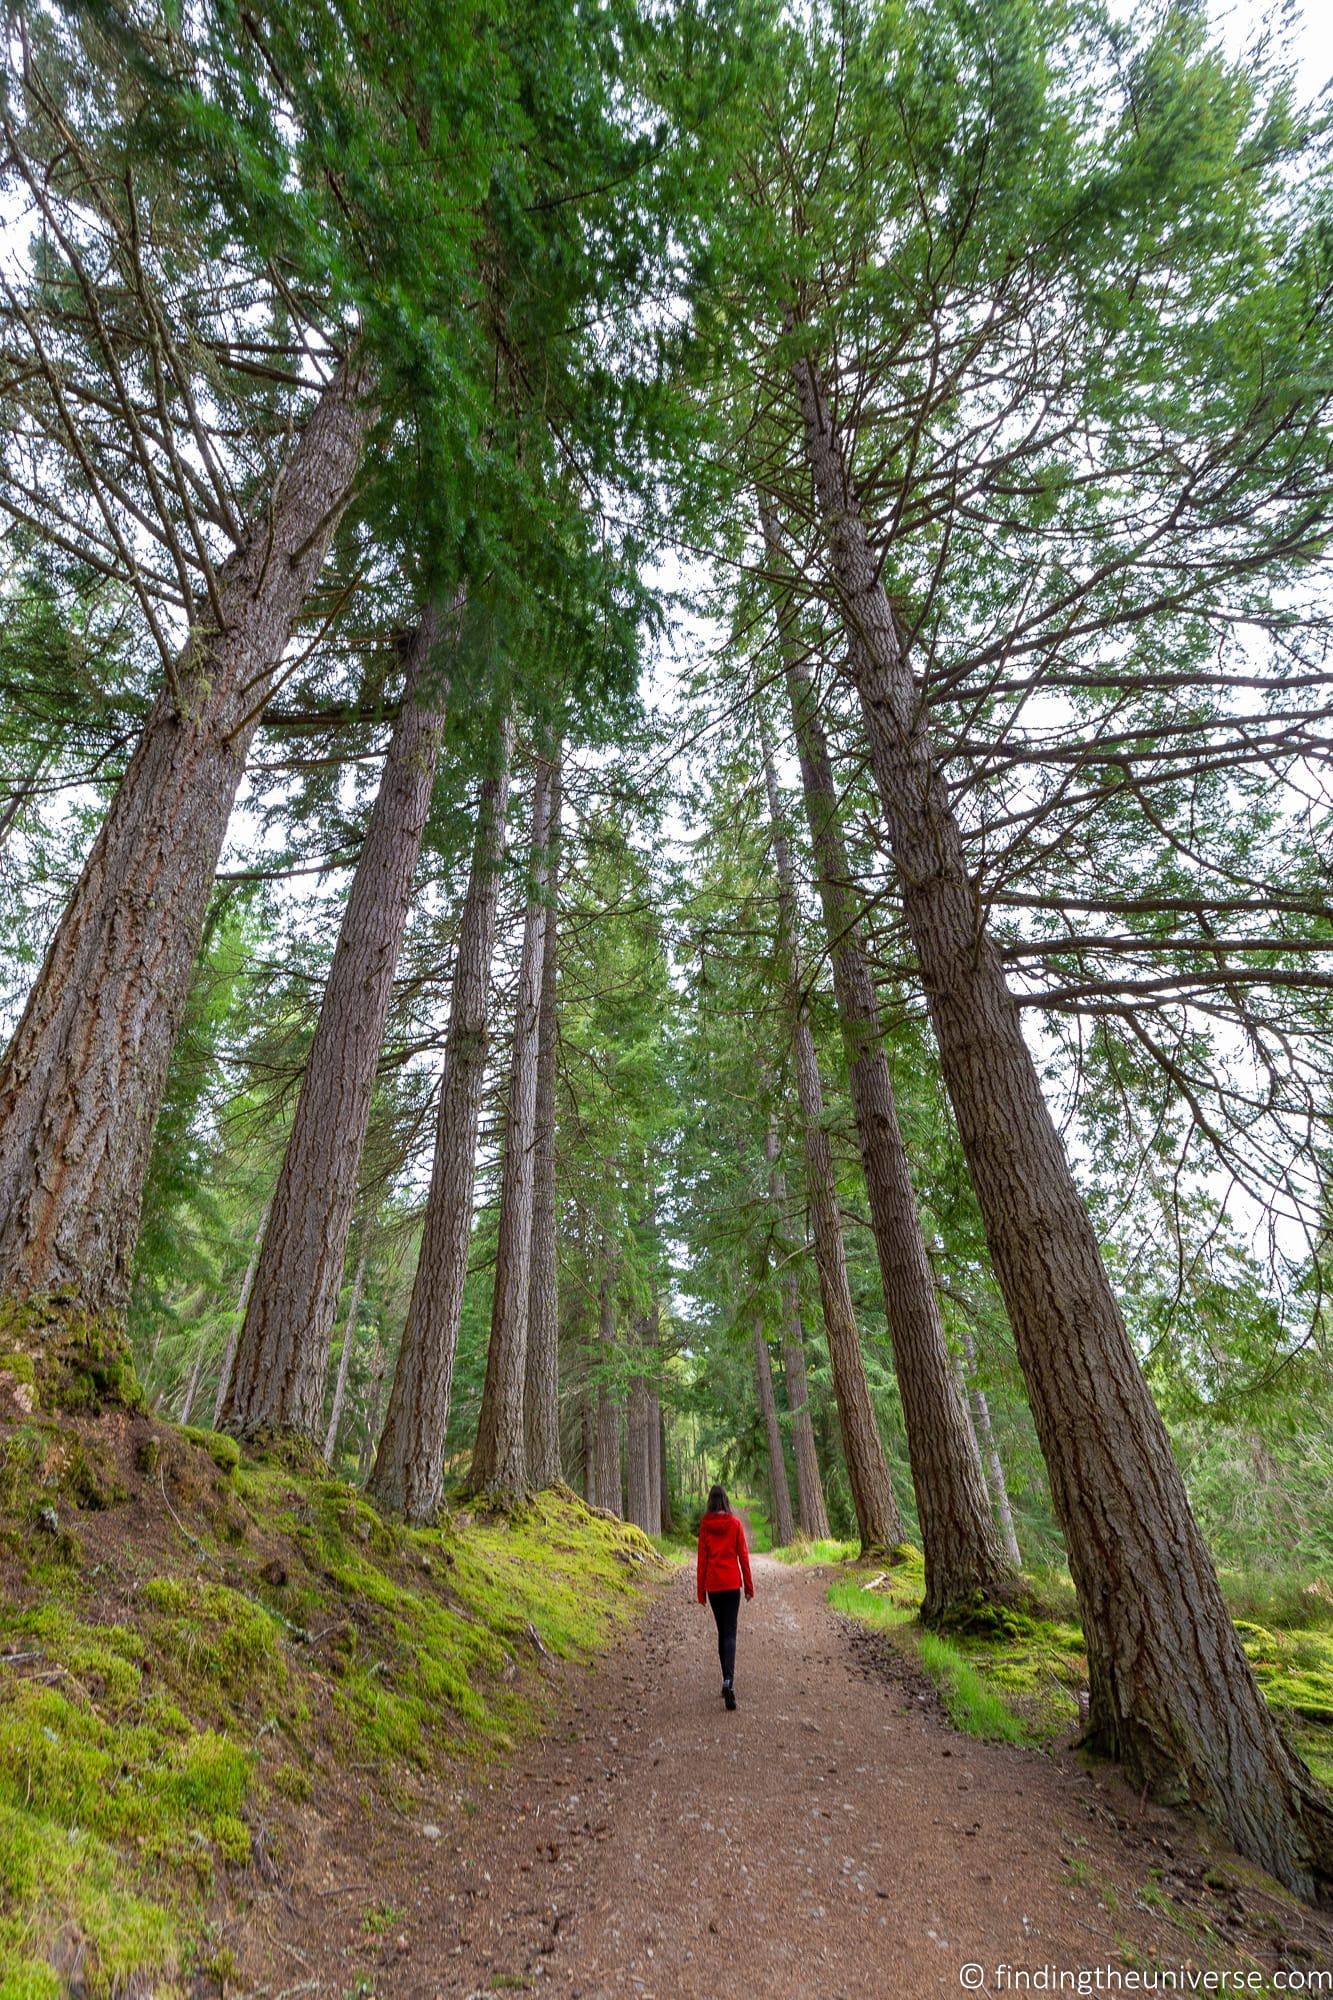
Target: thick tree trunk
point(282, 1360)
point(498, 1459)
point(964, 1559)
point(541, 1393)
point(82, 1079)
point(238, 1320)
point(408, 1477)
point(811, 1511)
point(783, 1528)
point(608, 1409)
point(988, 1450)
point(344, 1361)
point(1172, 1693)
point(877, 1515)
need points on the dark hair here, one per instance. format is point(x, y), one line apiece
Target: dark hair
point(718, 1502)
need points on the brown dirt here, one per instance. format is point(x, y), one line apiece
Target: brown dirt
point(833, 1839)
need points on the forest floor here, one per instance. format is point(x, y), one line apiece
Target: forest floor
point(834, 1837)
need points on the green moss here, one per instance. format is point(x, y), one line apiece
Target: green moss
point(79, 1360)
point(21, 1366)
point(223, 1450)
point(233, 1838)
point(817, 1552)
point(130, 1752)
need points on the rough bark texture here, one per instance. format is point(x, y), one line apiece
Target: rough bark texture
point(811, 1512)
point(1172, 1693)
point(877, 1515)
point(82, 1079)
point(344, 1361)
point(608, 1410)
point(498, 1459)
point(282, 1360)
point(963, 1556)
point(783, 1528)
point(408, 1477)
point(541, 1393)
point(989, 1451)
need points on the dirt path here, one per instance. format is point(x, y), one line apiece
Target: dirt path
point(833, 1839)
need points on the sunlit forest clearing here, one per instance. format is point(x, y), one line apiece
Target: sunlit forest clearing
point(664, 818)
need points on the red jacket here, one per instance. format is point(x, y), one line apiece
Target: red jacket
point(723, 1556)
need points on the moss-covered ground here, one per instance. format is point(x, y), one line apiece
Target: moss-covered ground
point(195, 1649)
point(1021, 1680)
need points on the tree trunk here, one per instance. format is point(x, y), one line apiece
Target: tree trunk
point(777, 1463)
point(238, 1320)
point(963, 1557)
point(608, 1410)
point(282, 1360)
point(1172, 1693)
point(639, 1457)
point(374, 1390)
point(811, 1511)
point(541, 1393)
point(988, 1450)
point(877, 1515)
point(408, 1477)
point(498, 1459)
point(664, 1461)
point(344, 1361)
point(655, 1467)
point(589, 1449)
point(192, 1386)
point(82, 1079)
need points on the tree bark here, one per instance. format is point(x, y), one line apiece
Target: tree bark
point(238, 1320)
point(541, 1393)
point(81, 1082)
point(777, 1463)
point(408, 1477)
point(664, 1462)
point(608, 1409)
point(589, 1449)
point(192, 1386)
point(639, 1457)
point(1172, 1693)
point(988, 1450)
point(278, 1381)
point(964, 1560)
point(877, 1515)
point(374, 1390)
point(344, 1361)
point(811, 1511)
point(655, 1466)
point(498, 1458)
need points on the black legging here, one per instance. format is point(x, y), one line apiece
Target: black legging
point(726, 1609)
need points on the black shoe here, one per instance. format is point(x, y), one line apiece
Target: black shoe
point(729, 1694)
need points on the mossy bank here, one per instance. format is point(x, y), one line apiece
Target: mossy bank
point(207, 1662)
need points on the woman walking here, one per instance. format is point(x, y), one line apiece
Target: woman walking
point(724, 1561)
